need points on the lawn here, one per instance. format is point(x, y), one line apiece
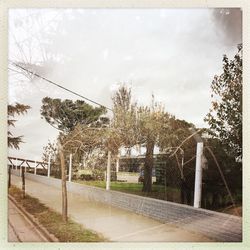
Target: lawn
point(158, 191)
point(53, 222)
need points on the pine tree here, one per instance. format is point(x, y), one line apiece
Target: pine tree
point(17, 109)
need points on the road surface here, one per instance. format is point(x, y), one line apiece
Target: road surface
point(116, 224)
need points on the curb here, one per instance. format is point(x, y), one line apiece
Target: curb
point(41, 229)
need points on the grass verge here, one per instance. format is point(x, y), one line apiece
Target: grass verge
point(53, 222)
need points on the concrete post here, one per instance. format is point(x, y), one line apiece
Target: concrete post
point(108, 171)
point(182, 164)
point(20, 171)
point(198, 176)
point(70, 167)
point(49, 165)
point(117, 163)
point(35, 168)
point(23, 181)
point(16, 163)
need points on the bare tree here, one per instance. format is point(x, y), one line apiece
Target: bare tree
point(81, 139)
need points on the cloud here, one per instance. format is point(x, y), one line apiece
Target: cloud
point(228, 25)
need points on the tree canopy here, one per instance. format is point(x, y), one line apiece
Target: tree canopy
point(64, 115)
point(17, 109)
point(225, 115)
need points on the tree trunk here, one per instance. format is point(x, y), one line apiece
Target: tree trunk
point(64, 187)
point(148, 166)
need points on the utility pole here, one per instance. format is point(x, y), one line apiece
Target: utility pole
point(198, 175)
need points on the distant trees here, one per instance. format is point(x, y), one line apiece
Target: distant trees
point(17, 109)
point(225, 115)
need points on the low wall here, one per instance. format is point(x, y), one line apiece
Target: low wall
point(219, 226)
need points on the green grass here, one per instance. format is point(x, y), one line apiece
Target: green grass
point(53, 222)
point(128, 173)
point(158, 191)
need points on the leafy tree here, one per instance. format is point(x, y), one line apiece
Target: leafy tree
point(177, 147)
point(225, 116)
point(153, 122)
point(213, 185)
point(75, 120)
point(51, 150)
point(64, 115)
point(139, 125)
point(17, 109)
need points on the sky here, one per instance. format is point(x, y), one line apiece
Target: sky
point(170, 53)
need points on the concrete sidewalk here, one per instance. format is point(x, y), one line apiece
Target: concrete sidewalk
point(19, 228)
point(113, 223)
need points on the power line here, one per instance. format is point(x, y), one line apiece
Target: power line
point(59, 86)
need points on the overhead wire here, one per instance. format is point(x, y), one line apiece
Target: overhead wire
point(59, 86)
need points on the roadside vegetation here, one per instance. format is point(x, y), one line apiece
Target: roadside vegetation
point(69, 231)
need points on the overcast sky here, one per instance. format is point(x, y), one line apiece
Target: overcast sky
point(171, 53)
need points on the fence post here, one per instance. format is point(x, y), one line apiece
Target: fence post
point(35, 168)
point(23, 183)
point(70, 167)
point(198, 175)
point(20, 171)
point(49, 166)
point(108, 171)
point(9, 180)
